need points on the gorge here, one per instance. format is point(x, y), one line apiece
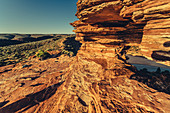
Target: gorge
point(99, 79)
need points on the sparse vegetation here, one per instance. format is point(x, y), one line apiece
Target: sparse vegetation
point(16, 53)
point(70, 53)
point(134, 50)
point(42, 54)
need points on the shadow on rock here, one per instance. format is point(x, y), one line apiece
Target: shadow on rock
point(161, 55)
point(31, 100)
point(166, 44)
point(158, 80)
point(3, 103)
point(72, 45)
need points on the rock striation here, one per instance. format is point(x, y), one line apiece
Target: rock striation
point(106, 29)
point(144, 22)
point(98, 78)
point(156, 32)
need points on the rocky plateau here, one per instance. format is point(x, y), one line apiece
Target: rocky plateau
point(98, 79)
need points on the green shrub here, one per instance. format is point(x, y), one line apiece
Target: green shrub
point(70, 53)
point(42, 54)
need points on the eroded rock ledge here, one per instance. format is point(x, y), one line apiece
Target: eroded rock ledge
point(106, 28)
point(98, 78)
point(145, 22)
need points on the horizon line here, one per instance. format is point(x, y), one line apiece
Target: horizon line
point(37, 33)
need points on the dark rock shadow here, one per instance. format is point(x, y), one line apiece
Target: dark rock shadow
point(166, 44)
point(31, 100)
point(158, 80)
point(37, 84)
point(5, 70)
point(161, 55)
point(72, 45)
point(133, 32)
point(3, 103)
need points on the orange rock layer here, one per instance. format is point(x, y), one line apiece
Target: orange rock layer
point(97, 79)
point(126, 22)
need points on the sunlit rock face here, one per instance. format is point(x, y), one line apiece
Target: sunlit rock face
point(156, 32)
point(98, 79)
point(126, 22)
point(106, 28)
point(103, 24)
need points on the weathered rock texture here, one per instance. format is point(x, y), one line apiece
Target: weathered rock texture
point(136, 21)
point(98, 78)
point(156, 32)
point(86, 86)
point(106, 28)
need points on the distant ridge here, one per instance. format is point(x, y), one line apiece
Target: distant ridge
point(16, 38)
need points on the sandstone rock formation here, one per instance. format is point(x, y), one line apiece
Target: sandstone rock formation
point(97, 80)
point(156, 32)
point(44, 87)
point(135, 21)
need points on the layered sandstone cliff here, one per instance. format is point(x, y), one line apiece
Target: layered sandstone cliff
point(156, 32)
point(98, 78)
point(145, 22)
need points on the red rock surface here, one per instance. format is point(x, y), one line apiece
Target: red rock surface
point(156, 32)
point(98, 78)
point(85, 83)
point(135, 21)
point(81, 84)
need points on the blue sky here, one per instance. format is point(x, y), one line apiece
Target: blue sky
point(37, 16)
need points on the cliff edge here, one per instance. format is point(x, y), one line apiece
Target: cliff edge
point(98, 79)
